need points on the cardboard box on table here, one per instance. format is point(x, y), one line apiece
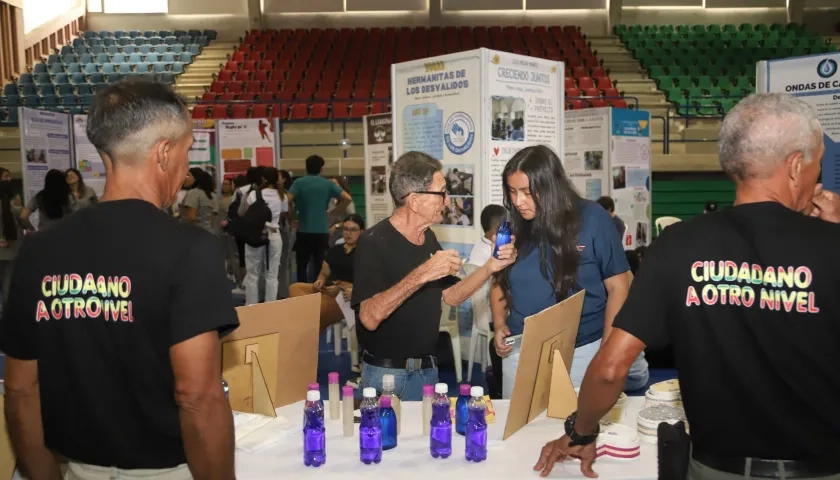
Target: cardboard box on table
point(542, 378)
point(7, 456)
point(270, 360)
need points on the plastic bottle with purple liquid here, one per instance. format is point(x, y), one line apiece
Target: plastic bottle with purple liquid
point(461, 412)
point(440, 438)
point(503, 235)
point(313, 387)
point(476, 442)
point(370, 430)
point(314, 433)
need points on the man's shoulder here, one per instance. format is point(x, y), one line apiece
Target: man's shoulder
point(378, 234)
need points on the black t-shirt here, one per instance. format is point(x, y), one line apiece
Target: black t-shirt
point(98, 300)
point(749, 298)
point(341, 263)
point(384, 257)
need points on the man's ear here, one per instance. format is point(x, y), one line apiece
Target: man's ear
point(161, 150)
point(794, 163)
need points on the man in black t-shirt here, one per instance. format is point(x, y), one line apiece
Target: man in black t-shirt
point(749, 298)
point(111, 333)
point(402, 274)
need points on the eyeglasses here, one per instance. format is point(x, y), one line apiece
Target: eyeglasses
point(442, 194)
point(351, 229)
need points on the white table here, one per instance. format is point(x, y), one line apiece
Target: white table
point(513, 458)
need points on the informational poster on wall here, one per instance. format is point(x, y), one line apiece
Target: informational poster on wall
point(437, 110)
point(44, 145)
point(586, 151)
point(526, 108)
point(815, 80)
point(202, 154)
point(245, 143)
point(88, 161)
point(630, 174)
point(379, 156)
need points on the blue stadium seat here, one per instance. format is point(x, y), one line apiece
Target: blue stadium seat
point(47, 89)
point(26, 78)
point(56, 68)
point(32, 101)
point(39, 68)
point(78, 78)
point(74, 68)
point(69, 99)
point(40, 78)
point(66, 89)
point(50, 101)
point(63, 78)
point(96, 78)
point(28, 89)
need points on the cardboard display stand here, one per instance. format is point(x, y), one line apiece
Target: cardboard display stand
point(7, 455)
point(270, 360)
point(542, 377)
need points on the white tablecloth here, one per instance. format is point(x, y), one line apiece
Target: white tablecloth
point(513, 458)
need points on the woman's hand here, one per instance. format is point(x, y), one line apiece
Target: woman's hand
point(318, 284)
point(499, 342)
point(347, 292)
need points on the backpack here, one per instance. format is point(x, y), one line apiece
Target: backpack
point(250, 227)
point(233, 212)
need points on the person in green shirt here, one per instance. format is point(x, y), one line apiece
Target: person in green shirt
point(311, 196)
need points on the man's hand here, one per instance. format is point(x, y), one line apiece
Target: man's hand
point(347, 292)
point(507, 256)
point(826, 205)
point(499, 341)
point(442, 264)
point(559, 450)
point(318, 284)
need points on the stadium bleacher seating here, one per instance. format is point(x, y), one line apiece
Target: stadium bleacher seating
point(67, 80)
point(338, 74)
point(707, 69)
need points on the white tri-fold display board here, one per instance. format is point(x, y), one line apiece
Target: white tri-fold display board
point(815, 80)
point(473, 111)
point(45, 144)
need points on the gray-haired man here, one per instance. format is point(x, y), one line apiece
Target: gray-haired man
point(402, 273)
point(748, 296)
point(112, 328)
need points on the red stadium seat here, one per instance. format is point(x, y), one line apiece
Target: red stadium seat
point(611, 92)
point(585, 82)
point(339, 110)
point(259, 110)
point(240, 110)
point(358, 110)
point(219, 111)
point(569, 82)
point(597, 103)
point(319, 112)
point(299, 111)
point(235, 87)
point(225, 76)
point(208, 97)
point(199, 112)
point(604, 83)
point(573, 92)
point(618, 103)
point(247, 97)
point(226, 97)
point(591, 92)
point(217, 87)
point(280, 111)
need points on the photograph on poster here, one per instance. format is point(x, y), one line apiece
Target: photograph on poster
point(619, 175)
point(390, 155)
point(459, 212)
point(593, 160)
point(507, 119)
point(378, 180)
point(459, 179)
point(641, 234)
point(34, 155)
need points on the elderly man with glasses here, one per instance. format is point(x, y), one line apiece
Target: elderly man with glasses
point(402, 273)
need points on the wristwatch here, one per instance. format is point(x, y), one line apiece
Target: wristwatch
point(578, 439)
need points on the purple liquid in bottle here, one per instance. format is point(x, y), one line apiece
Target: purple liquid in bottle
point(314, 433)
point(440, 439)
point(370, 431)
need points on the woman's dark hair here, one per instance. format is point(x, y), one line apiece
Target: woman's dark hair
point(80, 185)
point(556, 223)
point(203, 181)
point(54, 199)
point(7, 193)
point(343, 183)
point(271, 179)
point(287, 179)
point(240, 181)
point(254, 175)
point(355, 218)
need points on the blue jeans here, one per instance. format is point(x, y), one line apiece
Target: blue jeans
point(408, 383)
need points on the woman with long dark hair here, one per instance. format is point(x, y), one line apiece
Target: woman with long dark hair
point(200, 205)
point(83, 194)
point(566, 244)
point(52, 203)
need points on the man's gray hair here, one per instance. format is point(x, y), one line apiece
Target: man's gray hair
point(129, 117)
point(412, 172)
point(762, 130)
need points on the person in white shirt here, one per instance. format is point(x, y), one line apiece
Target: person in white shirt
point(491, 216)
point(266, 258)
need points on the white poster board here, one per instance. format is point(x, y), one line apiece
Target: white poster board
point(245, 143)
point(44, 145)
point(815, 80)
point(88, 161)
point(525, 99)
point(629, 160)
point(379, 156)
point(586, 155)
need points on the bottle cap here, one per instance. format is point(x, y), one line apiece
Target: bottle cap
point(477, 392)
point(388, 382)
point(428, 390)
point(465, 389)
point(385, 401)
point(314, 386)
point(441, 388)
point(369, 392)
point(347, 391)
point(313, 396)
point(332, 377)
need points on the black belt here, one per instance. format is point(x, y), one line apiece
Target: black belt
point(761, 468)
point(429, 361)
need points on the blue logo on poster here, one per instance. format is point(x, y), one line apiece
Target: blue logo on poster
point(459, 133)
point(827, 68)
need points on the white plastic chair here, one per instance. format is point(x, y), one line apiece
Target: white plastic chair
point(450, 326)
point(482, 317)
point(663, 222)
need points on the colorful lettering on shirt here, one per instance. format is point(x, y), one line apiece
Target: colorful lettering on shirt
point(773, 288)
point(75, 296)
